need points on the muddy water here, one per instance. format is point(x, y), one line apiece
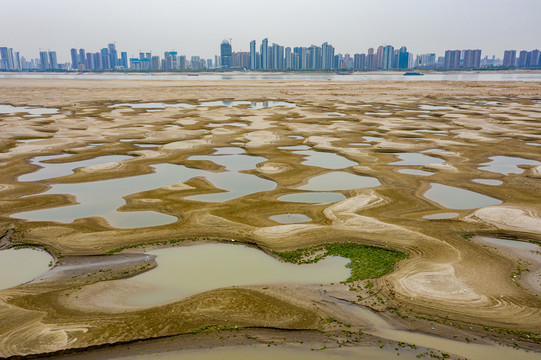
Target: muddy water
point(52, 170)
point(20, 266)
point(263, 352)
point(103, 198)
point(9, 109)
point(456, 198)
point(290, 218)
point(313, 197)
point(339, 180)
point(416, 159)
point(189, 270)
point(377, 326)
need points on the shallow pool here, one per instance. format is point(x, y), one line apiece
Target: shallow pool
point(313, 197)
point(506, 164)
point(21, 266)
point(339, 180)
point(188, 270)
point(290, 218)
point(456, 198)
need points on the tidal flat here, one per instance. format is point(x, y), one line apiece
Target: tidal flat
point(113, 178)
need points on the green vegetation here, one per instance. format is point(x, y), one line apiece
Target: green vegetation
point(366, 261)
point(468, 236)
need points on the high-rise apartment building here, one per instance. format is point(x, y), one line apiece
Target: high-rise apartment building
point(288, 59)
point(509, 58)
point(388, 52)
point(264, 52)
point(226, 54)
point(112, 56)
point(82, 58)
point(402, 58)
point(472, 58)
point(253, 58)
point(327, 56)
point(379, 57)
point(452, 59)
point(53, 63)
point(43, 60)
point(7, 61)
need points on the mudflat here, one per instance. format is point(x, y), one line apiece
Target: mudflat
point(95, 170)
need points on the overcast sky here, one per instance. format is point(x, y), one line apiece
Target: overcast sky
point(197, 27)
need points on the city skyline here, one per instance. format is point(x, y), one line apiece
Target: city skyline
point(198, 28)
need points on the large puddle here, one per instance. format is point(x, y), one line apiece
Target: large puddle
point(290, 218)
point(416, 159)
point(32, 110)
point(506, 164)
point(325, 160)
point(52, 170)
point(456, 198)
point(252, 104)
point(339, 180)
point(319, 198)
point(20, 266)
point(189, 270)
point(235, 183)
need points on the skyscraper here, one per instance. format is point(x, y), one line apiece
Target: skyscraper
point(388, 52)
point(82, 57)
point(226, 54)
point(288, 61)
point(53, 64)
point(253, 59)
point(6, 59)
point(264, 54)
point(124, 56)
point(112, 55)
point(403, 58)
point(43, 60)
point(74, 60)
point(370, 59)
point(327, 56)
point(379, 57)
point(472, 58)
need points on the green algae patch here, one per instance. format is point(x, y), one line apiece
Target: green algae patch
point(366, 261)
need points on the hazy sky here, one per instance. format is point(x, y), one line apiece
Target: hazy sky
point(197, 27)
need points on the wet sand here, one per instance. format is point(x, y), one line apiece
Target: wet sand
point(447, 278)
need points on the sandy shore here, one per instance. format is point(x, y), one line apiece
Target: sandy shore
point(446, 278)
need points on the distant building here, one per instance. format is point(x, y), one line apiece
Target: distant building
point(226, 54)
point(509, 58)
point(403, 58)
point(53, 63)
point(124, 56)
point(241, 59)
point(472, 58)
point(327, 56)
point(452, 59)
point(253, 57)
point(388, 52)
point(7, 61)
point(264, 53)
point(43, 60)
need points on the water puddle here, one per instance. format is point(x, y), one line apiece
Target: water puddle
point(378, 113)
point(533, 144)
point(431, 151)
point(336, 113)
point(253, 104)
point(490, 182)
point(25, 141)
point(415, 172)
point(213, 266)
point(53, 170)
point(416, 159)
point(32, 110)
point(290, 218)
point(22, 265)
point(325, 160)
point(372, 138)
point(147, 145)
point(440, 216)
point(296, 137)
point(295, 147)
point(456, 198)
point(506, 164)
point(235, 183)
point(339, 180)
point(433, 107)
point(360, 144)
point(102, 198)
point(319, 198)
point(229, 150)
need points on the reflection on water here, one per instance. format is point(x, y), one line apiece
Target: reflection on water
point(313, 197)
point(339, 180)
point(488, 182)
point(32, 110)
point(506, 164)
point(189, 270)
point(53, 170)
point(415, 172)
point(416, 159)
point(456, 198)
point(325, 160)
point(235, 183)
point(22, 265)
